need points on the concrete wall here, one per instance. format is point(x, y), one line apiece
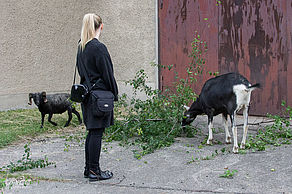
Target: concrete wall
point(38, 41)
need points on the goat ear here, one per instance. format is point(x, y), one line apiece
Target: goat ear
point(44, 96)
point(186, 107)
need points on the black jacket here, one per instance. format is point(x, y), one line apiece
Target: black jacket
point(98, 65)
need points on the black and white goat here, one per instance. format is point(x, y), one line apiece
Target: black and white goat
point(53, 104)
point(225, 94)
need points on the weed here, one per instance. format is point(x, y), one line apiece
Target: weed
point(192, 160)
point(242, 151)
point(21, 165)
point(66, 149)
point(26, 163)
point(137, 155)
point(190, 145)
point(223, 150)
point(276, 134)
point(77, 137)
point(212, 156)
point(2, 183)
point(206, 158)
point(218, 2)
point(228, 174)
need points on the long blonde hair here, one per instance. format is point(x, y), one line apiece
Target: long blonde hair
point(91, 22)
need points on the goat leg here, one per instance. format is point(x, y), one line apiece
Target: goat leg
point(225, 124)
point(245, 127)
point(210, 127)
point(234, 131)
point(78, 115)
point(43, 118)
point(49, 119)
point(69, 117)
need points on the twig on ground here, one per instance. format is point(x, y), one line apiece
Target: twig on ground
point(171, 129)
point(262, 122)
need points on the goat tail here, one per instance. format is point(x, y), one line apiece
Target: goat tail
point(257, 85)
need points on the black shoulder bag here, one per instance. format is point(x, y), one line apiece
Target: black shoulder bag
point(78, 91)
point(102, 100)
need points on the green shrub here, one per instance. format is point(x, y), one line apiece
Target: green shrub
point(154, 123)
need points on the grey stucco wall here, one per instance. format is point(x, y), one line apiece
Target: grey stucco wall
point(38, 41)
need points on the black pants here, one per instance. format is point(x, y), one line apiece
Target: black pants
point(93, 147)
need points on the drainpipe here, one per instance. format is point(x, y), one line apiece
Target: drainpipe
point(156, 44)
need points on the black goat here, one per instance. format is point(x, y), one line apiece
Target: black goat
point(53, 104)
point(225, 94)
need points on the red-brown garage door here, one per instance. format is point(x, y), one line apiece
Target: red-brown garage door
point(252, 37)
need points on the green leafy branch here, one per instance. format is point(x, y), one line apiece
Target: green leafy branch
point(26, 163)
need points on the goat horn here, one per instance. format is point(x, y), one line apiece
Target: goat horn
point(30, 103)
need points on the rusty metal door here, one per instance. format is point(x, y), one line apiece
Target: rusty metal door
point(178, 22)
point(252, 37)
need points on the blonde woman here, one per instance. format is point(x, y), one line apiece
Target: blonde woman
point(93, 57)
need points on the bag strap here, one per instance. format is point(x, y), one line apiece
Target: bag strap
point(74, 74)
point(85, 73)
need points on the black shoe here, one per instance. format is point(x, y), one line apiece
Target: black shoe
point(98, 175)
point(86, 172)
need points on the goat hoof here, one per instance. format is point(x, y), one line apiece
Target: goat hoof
point(242, 146)
point(210, 142)
point(228, 140)
point(235, 150)
point(42, 127)
point(55, 124)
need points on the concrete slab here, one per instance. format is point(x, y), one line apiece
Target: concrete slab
point(169, 170)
